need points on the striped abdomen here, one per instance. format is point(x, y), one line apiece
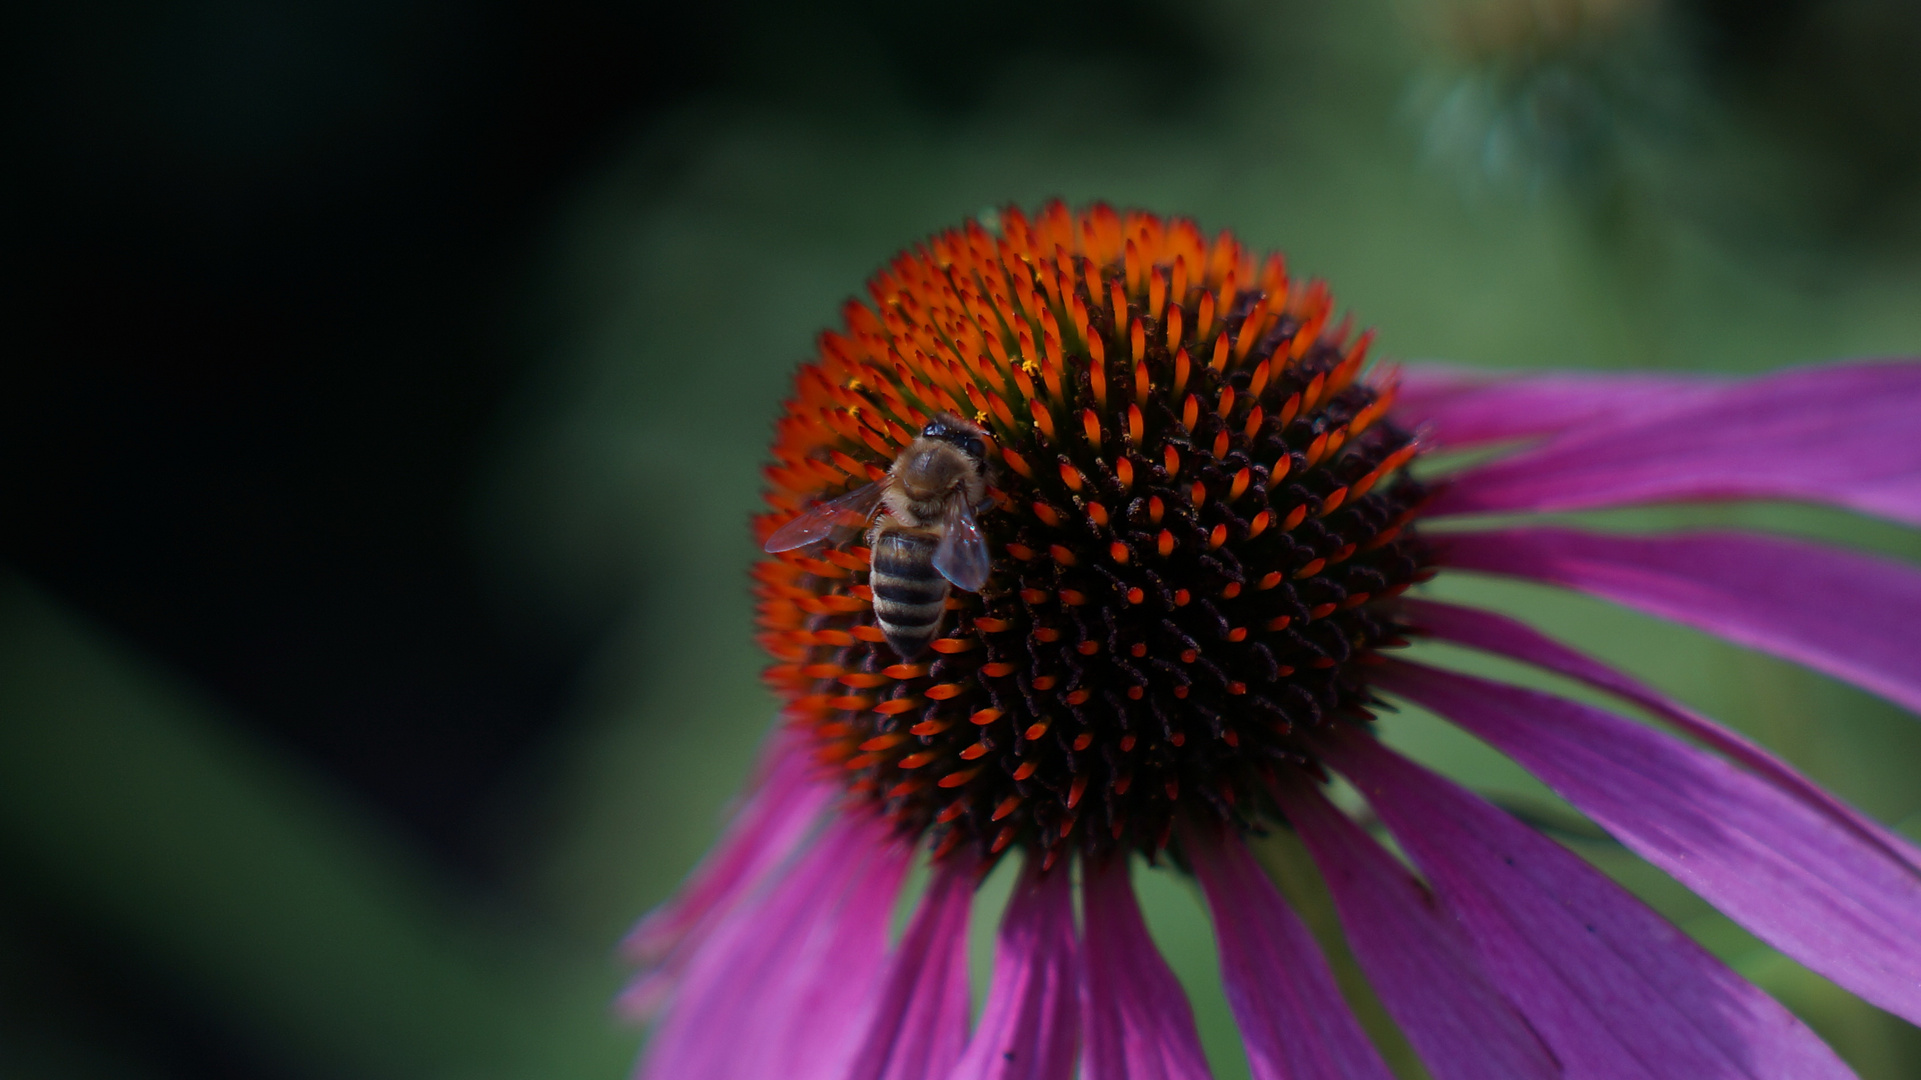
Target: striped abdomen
point(910, 596)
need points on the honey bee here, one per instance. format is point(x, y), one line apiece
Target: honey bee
point(925, 537)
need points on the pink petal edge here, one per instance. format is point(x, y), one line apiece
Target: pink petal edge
point(799, 965)
point(1030, 1026)
point(1841, 434)
point(1615, 990)
point(1415, 955)
point(781, 810)
point(1856, 617)
point(1502, 636)
point(1799, 880)
point(1138, 1023)
point(1459, 407)
point(920, 1021)
point(1293, 1020)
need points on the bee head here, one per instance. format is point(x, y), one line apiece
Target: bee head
point(958, 433)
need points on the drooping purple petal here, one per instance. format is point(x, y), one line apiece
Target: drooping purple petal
point(1615, 990)
point(1503, 636)
point(1031, 1023)
point(760, 833)
point(1136, 1017)
point(1415, 955)
point(1459, 408)
point(1856, 617)
point(785, 986)
point(1800, 881)
point(1843, 434)
point(782, 806)
point(920, 1020)
point(1294, 1022)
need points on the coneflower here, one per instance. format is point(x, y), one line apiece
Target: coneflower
point(1202, 527)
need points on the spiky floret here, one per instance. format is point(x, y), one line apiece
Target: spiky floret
point(1201, 518)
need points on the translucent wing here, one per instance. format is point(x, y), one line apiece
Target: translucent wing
point(962, 555)
point(821, 520)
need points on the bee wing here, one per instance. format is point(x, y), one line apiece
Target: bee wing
point(962, 555)
point(821, 520)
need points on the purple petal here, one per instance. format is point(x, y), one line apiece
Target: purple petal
point(1294, 1022)
point(1415, 954)
point(783, 806)
point(1031, 1023)
point(1139, 1025)
point(777, 812)
point(797, 967)
point(920, 1021)
point(1501, 635)
point(1459, 407)
point(1801, 882)
point(1615, 990)
point(1856, 617)
point(1846, 435)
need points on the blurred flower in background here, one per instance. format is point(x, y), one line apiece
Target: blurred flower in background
point(1583, 96)
point(378, 638)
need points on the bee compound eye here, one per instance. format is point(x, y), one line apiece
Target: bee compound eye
point(934, 430)
point(974, 447)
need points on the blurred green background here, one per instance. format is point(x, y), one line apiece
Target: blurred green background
point(374, 638)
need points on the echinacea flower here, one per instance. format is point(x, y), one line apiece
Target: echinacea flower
point(1202, 528)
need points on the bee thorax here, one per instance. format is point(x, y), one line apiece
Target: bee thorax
point(914, 510)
